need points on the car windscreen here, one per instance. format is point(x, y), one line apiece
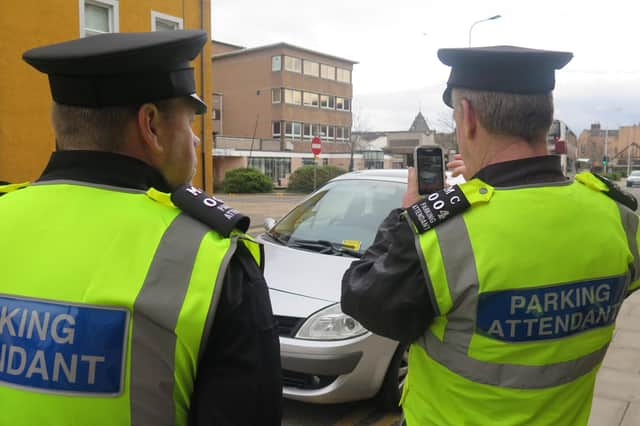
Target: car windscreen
point(345, 213)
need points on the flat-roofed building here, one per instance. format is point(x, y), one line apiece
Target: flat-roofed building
point(269, 102)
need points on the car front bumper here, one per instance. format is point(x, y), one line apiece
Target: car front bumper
point(329, 372)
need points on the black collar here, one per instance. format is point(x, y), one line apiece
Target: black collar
point(104, 168)
point(527, 171)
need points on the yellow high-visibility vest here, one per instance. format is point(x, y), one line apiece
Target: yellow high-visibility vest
point(107, 296)
point(527, 284)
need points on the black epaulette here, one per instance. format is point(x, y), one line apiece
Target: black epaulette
point(209, 210)
point(438, 207)
point(617, 193)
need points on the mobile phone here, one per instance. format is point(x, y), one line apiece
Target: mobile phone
point(429, 164)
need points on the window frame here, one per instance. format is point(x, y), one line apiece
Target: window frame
point(273, 131)
point(293, 134)
point(322, 74)
point(304, 70)
point(292, 70)
point(279, 63)
point(345, 71)
point(159, 16)
point(113, 10)
point(277, 90)
point(306, 126)
point(310, 105)
point(292, 103)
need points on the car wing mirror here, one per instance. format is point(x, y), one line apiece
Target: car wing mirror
point(269, 223)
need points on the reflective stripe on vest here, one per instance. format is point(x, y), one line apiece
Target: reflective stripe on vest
point(459, 263)
point(155, 315)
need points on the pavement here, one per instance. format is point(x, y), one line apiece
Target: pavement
point(616, 400)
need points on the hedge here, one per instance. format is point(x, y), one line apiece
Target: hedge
point(247, 180)
point(301, 180)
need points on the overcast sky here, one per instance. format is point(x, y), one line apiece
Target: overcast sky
point(395, 45)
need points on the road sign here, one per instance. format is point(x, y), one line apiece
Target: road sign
point(316, 145)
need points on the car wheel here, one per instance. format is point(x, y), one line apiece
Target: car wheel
point(389, 395)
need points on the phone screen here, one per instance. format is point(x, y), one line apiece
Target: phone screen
point(429, 167)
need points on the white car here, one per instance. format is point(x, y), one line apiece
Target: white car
point(634, 178)
point(327, 356)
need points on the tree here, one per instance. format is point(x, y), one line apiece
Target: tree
point(446, 139)
point(358, 126)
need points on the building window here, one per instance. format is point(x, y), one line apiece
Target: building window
point(293, 97)
point(307, 132)
point(331, 132)
point(311, 68)
point(98, 17)
point(275, 129)
point(327, 101)
point(344, 76)
point(292, 64)
point(293, 129)
point(276, 95)
point(308, 161)
point(373, 159)
point(164, 22)
point(328, 72)
point(276, 63)
point(342, 134)
point(311, 99)
point(274, 167)
point(343, 104)
point(216, 114)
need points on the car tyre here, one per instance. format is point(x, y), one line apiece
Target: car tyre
point(388, 397)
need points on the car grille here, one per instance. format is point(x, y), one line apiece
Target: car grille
point(305, 381)
point(287, 326)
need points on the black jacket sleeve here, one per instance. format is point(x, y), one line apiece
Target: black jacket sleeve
point(386, 290)
point(239, 378)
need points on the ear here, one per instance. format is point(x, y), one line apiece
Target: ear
point(148, 122)
point(469, 120)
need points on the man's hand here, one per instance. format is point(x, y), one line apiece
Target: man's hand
point(457, 166)
point(411, 196)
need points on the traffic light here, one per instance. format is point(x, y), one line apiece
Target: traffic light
point(605, 160)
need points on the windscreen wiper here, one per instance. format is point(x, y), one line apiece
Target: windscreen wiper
point(276, 238)
point(326, 247)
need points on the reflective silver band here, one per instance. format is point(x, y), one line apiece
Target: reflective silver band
point(89, 184)
point(460, 267)
point(451, 352)
point(630, 223)
point(511, 375)
point(155, 314)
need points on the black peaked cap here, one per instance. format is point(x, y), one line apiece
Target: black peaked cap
point(507, 69)
point(119, 69)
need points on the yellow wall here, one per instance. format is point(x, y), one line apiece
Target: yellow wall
point(26, 138)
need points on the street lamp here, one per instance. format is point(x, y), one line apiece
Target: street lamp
point(482, 20)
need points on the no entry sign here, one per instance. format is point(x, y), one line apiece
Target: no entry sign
point(316, 145)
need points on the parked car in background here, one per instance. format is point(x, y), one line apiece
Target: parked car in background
point(634, 178)
point(327, 356)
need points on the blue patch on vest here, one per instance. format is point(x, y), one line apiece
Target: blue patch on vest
point(62, 347)
point(549, 312)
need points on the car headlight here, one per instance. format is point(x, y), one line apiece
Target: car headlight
point(330, 324)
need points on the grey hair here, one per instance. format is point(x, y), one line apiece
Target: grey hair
point(526, 116)
point(101, 129)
